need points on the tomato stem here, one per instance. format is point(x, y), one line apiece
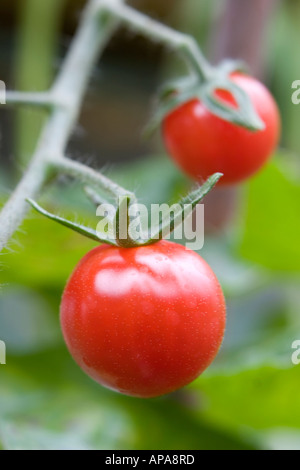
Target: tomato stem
point(35, 99)
point(89, 176)
point(65, 100)
point(156, 31)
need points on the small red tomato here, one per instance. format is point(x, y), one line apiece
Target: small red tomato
point(143, 321)
point(202, 143)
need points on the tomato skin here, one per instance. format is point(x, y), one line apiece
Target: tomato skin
point(143, 321)
point(202, 143)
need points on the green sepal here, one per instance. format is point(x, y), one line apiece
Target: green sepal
point(177, 86)
point(244, 115)
point(193, 198)
point(177, 93)
point(166, 106)
point(86, 231)
point(154, 235)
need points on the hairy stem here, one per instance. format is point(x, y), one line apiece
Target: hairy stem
point(163, 34)
point(15, 209)
point(63, 102)
point(89, 176)
point(39, 100)
point(92, 36)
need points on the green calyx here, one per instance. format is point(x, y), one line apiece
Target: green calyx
point(118, 222)
point(173, 94)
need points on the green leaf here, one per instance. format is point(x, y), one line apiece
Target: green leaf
point(270, 232)
point(33, 437)
point(43, 255)
point(48, 403)
point(262, 398)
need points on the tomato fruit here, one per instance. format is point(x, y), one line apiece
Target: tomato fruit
point(143, 321)
point(202, 143)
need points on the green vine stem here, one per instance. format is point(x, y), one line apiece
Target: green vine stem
point(163, 34)
point(37, 100)
point(66, 97)
point(209, 79)
point(63, 101)
point(89, 176)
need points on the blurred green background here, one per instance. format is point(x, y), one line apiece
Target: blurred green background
point(249, 398)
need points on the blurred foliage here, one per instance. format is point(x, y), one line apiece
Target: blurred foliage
point(36, 19)
point(249, 393)
point(272, 223)
point(249, 398)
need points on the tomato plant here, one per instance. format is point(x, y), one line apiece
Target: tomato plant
point(143, 321)
point(202, 143)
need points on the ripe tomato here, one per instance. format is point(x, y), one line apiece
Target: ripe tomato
point(143, 321)
point(202, 143)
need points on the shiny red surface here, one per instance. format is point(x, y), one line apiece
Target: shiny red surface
point(202, 143)
point(143, 321)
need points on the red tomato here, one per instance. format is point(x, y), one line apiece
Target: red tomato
point(143, 321)
point(202, 143)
